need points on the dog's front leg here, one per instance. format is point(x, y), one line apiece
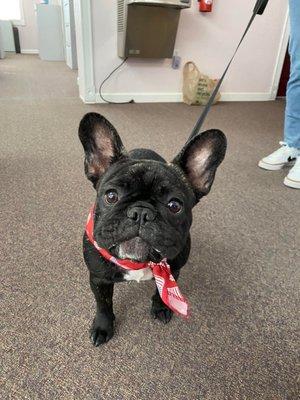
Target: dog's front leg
point(102, 329)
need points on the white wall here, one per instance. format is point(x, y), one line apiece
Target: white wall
point(28, 32)
point(206, 38)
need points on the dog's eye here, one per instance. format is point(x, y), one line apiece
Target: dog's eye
point(111, 197)
point(174, 206)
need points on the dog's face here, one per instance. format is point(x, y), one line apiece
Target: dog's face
point(144, 207)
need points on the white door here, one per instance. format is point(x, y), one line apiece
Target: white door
point(69, 30)
point(50, 33)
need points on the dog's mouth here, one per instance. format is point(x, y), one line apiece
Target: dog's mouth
point(136, 249)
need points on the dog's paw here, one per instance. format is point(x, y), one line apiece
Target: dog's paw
point(100, 334)
point(161, 313)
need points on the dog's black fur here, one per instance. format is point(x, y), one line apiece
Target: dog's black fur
point(143, 208)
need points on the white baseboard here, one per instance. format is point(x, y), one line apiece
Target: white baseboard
point(29, 51)
point(250, 96)
point(141, 97)
point(173, 97)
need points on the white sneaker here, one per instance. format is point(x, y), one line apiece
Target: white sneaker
point(293, 178)
point(284, 156)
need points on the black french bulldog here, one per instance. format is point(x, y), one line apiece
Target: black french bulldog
point(143, 209)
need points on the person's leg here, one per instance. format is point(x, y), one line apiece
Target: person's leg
point(292, 111)
point(289, 151)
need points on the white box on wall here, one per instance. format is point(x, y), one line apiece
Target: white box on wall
point(8, 41)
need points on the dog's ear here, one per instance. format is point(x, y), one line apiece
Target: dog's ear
point(200, 158)
point(102, 145)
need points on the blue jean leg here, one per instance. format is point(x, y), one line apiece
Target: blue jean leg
point(292, 110)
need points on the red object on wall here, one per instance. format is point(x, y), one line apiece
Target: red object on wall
point(205, 5)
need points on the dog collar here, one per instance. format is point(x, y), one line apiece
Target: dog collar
point(165, 282)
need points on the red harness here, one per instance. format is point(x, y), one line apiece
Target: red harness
point(165, 282)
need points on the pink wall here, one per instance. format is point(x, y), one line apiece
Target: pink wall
point(207, 39)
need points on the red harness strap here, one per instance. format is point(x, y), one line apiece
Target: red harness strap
point(165, 282)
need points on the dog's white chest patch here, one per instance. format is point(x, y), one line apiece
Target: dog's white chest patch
point(144, 274)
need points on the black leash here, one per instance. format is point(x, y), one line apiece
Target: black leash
point(259, 8)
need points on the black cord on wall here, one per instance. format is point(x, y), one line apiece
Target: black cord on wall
point(106, 79)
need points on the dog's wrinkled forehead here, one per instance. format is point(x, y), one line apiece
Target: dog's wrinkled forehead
point(146, 175)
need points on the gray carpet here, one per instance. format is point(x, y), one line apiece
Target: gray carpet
point(242, 279)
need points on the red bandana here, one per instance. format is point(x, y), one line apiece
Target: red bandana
point(165, 282)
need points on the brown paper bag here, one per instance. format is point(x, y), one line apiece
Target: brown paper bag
point(197, 87)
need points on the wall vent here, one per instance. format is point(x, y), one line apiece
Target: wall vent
point(121, 17)
point(148, 28)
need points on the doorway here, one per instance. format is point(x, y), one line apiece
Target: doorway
point(69, 33)
point(285, 74)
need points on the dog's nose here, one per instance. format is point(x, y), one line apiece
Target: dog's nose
point(141, 214)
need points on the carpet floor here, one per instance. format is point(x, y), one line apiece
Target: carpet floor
point(242, 278)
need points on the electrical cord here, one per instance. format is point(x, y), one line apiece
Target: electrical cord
point(106, 79)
